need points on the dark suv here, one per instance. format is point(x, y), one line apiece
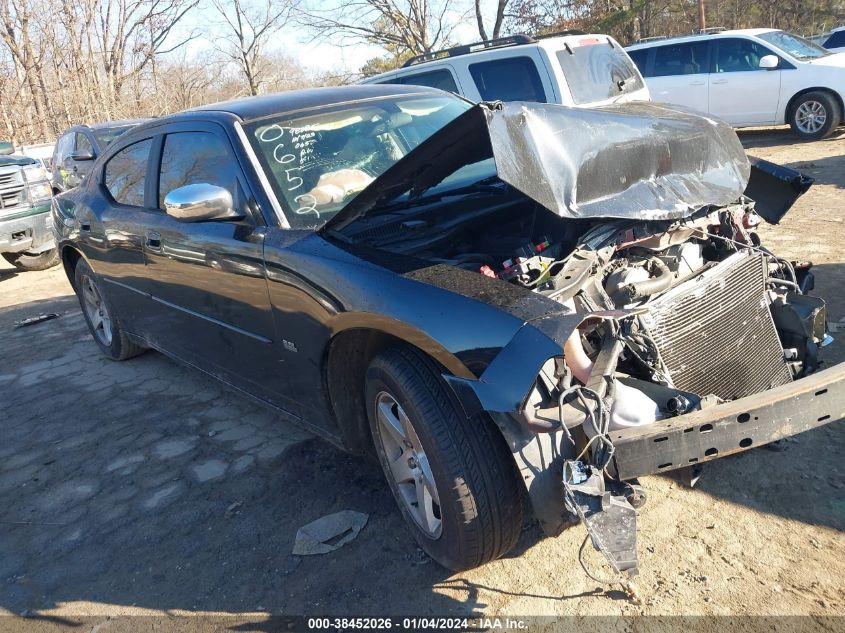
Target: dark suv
point(505, 303)
point(77, 148)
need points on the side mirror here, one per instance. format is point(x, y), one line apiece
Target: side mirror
point(81, 155)
point(6, 148)
point(769, 62)
point(200, 202)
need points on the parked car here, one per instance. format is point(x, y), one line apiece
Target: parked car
point(26, 236)
point(748, 77)
point(573, 68)
point(77, 148)
point(502, 302)
point(833, 41)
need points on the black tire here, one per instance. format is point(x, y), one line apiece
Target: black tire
point(34, 261)
point(108, 334)
point(808, 109)
point(480, 494)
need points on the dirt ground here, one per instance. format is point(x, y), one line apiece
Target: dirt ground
point(142, 487)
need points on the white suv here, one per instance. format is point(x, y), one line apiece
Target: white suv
point(833, 41)
point(748, 77)
point(579, 70)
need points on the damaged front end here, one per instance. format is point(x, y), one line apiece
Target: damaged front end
point(668, 335)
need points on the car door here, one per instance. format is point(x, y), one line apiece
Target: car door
point(678, 73)
point(740, 92)
point(208, 277)
point(111, 217)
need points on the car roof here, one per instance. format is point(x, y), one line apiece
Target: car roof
point(294, 100)
point(696, 36)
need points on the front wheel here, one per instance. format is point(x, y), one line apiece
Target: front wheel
point(814, 115)
point(103, 322)
point(453, 477)
point(33, 261)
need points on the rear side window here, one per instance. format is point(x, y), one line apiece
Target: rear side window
point(125, 174)
point(441, 79)
point(512, 79)
point(195, 157)
point(688, 58)
point(598, 70)
point(640, 57)
point(836, 40)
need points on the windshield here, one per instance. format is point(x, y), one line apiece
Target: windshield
point(105, 135)
point(317, 163)
point(796, 46)
point(596, 69)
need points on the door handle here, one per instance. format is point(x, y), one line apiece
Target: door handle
point(720, 81)
point(153, 241)
point(697, 83)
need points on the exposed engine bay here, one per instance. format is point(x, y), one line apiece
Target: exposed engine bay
point(680, 315)
point(646, 231)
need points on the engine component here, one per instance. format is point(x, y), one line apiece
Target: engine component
point(715, 334)
point(631, 407)
point(659, 279)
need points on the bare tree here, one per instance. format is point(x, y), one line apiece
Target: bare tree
point(248, 27)
point(400, 26)
point(498, 22)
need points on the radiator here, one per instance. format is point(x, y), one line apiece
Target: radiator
point(715, 332)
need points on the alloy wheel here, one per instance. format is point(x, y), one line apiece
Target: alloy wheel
point(408, 465)
point(810, 117)
point(95, 309)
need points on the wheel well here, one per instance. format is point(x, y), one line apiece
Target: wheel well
point(348, 357)
point(70, 258)
point(798, 95)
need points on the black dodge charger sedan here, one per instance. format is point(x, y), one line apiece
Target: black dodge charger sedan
point(515, 307)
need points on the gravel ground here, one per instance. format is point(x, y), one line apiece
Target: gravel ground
point(143, 487)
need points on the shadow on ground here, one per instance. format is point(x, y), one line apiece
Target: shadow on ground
point(780, 137)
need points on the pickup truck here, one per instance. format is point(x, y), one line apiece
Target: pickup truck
point(26, 236)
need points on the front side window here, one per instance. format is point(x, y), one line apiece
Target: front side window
point(796, 46)
point(688, 58)
point(317, 163)
point(195, 157)
point(597, 70)
point(125, 174)
point(512, 79)
point(83, 145)
point(736, 55)
point(64, 147)
point(441, 79)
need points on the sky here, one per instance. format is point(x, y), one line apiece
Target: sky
point(320, 54)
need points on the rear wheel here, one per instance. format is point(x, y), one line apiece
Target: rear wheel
point(103, 322)
point(453, 477)
point(814, 115)
point(33, 261)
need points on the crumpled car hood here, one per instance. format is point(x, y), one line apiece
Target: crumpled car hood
point(636, 160)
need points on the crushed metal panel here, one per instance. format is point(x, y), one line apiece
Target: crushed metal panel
point(635, 160)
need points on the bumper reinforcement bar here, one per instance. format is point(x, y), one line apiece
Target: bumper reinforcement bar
point(731, 427)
